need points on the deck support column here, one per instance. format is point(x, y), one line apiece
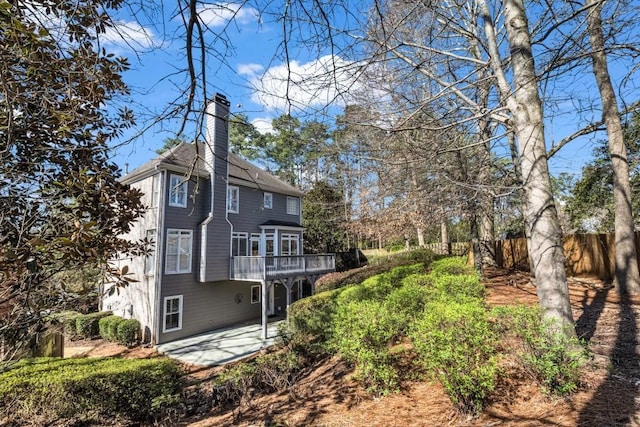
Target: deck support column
point(265, 308)
point(312, 280)
point(288, 283)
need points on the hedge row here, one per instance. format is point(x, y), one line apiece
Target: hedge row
point(116, 329)
point(101, 324)
point(89, 390)
point(376, 266)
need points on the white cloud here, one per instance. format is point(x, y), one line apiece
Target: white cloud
point(319, 83)
point(262, 125)
point(219, 14)
point(249, 69)
point(129, 35)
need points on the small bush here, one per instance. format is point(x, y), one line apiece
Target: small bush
point(547, 353)
point(451, 266)
point(362, 334)
point(87, 325)
point(128, 332)
point(455, 341)
point(44, 390)
point(108, 327)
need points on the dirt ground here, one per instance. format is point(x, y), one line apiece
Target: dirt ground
point(609, 393)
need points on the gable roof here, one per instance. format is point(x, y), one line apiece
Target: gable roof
point(187, 158)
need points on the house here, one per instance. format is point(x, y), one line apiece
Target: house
point(227, 241)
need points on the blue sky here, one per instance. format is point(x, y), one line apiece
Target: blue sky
point(247, 71)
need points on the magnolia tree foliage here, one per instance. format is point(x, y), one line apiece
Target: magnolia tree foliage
point(61, 205)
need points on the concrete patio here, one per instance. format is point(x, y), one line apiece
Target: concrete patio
point(222, 345)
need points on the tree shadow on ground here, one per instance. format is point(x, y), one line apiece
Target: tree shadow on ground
point(614, 402)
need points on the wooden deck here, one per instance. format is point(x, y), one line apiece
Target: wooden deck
point(258, 268)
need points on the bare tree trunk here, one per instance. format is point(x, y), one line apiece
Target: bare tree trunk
point(420, 233)
point(540, 213)
point(626, 270)
point(444, 236)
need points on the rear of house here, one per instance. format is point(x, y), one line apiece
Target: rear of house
point(227, 241)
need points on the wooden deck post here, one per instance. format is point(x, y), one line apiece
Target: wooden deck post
point(265, 308)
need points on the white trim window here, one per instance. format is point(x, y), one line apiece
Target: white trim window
point(239, 244)
point(289, 244)
point(177, 191)
point(155, 190)
point(179, 250)
point(150, 259)
point(172, 314)
point(293, 206)
point(255, 245)
point(233, 199)
point(256, 294)
point(269, 244)
point(268, 201)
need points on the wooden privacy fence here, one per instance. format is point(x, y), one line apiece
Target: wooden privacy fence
point(585, 254)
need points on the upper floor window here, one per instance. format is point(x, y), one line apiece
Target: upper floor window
point(155, 190)
point(233, 199)
point(239, 244)
point(268, 201)
point(177, 191)
point(150, 259)
point(293, 205)
point(179, 249)
point(289, 245)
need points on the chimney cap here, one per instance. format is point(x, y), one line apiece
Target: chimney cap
point(220, 98)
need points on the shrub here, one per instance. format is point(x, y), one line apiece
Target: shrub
point(108, 327)
point(458, 287)
point(451, 266)
point(314, 315)
point(128, 332)
point(408, 302)
point(422, 255)
point(455, 341)
point(237, 383)
point(546, 353)
point(377, 266)
point(362, 334)
point(379, 286)
point(87, 325)
point(48, 389)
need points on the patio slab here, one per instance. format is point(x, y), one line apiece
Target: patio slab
point(220, 346)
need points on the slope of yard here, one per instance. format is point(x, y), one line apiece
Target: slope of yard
point(609, 394)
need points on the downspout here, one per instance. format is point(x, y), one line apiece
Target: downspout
point(204, 225)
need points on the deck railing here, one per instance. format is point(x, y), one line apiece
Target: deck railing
point(256, 268)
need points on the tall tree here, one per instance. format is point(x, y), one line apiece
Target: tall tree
point(62, 207)
point(323, 219)
point(244, 138)
point(626, 259)
point(523, 100)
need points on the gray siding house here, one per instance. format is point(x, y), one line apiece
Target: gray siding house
point(227, 241)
